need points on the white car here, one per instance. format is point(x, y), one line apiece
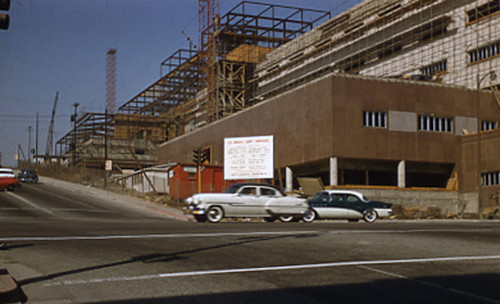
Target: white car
point(247, 200)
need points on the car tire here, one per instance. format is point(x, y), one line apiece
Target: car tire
point(370, 216)
point(200, 218)
point(310, 216)
point(215, 214)
point(270, 219)
point(286, 218)
point(10, 188)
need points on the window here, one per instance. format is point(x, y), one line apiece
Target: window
point(490, 125)
point(435, 124)
point(268, 192)
point(490, 178)
point(352, 199)
point(483, 10)
point(375, 119)
point(248, 191)
point(484, 52)
point(434, 68)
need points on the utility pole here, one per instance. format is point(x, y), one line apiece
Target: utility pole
point(36, 138)
point(30, 129)
point(73, 119)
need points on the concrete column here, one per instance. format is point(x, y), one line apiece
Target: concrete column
point(334, 177)
point(402, 174)
point(288, 179)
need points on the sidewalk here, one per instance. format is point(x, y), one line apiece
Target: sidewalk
point(124, 200)
point(8, 287)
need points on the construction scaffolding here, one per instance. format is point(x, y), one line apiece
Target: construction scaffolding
point(258, 50)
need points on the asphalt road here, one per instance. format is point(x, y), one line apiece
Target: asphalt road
point(67, 247)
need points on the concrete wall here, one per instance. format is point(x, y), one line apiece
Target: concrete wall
point(325, 118)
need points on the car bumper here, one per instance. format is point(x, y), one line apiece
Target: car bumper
point(194, 211)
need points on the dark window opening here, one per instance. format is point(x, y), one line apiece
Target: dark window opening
point(484, 10)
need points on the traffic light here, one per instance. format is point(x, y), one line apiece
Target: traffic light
point(203, 156)
point(4, 18)
point(197, 156)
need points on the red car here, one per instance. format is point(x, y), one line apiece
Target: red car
point(8, 183)
point(7, 179)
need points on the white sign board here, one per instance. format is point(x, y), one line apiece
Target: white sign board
point(108, 165)
point(249, 157)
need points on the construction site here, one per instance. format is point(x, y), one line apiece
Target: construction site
point(295, 72)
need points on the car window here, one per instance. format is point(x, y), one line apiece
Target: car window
point(268, 192)
point(352, 199)
point(321, 196)
point(248, 191)
point(337, 198)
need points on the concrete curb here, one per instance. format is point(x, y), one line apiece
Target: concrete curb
point(9, 291)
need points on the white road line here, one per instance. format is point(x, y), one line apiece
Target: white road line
point(32, 205)
point(453, 290)
point(271, 268)
point(222, 234)
point(151, 236)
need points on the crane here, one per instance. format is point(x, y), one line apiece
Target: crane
point(50, 135)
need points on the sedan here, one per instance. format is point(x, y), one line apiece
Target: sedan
point(246, 200)
point(8, 183)
point(28, 175)
point(350, 205)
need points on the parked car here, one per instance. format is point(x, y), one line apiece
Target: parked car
point(246, 200)
point(6, 172)
point(28, 175)
point(351, 205)
point(7, 179)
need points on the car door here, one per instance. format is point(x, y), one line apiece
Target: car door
point(326, 205)
point(244, 203)
point(337, 206)
point(354, 206)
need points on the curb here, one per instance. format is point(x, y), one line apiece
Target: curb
point(9, 291)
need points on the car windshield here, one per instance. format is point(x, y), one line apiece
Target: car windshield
point(232, 189)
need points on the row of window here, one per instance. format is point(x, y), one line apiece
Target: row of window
point(485, 52)
point(490, 178)
point(435, 124)
point(490, 125)
point(425, 122)
point(435, 68)
point(483, 10)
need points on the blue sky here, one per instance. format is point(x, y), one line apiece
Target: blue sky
point(61, 45)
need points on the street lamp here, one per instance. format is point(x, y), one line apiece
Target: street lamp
point(480, 79)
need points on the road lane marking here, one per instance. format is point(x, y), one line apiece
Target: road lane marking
point(271, 268)
point(226, 234)
point(32, 204)
point(453, 290)
point(152, 236)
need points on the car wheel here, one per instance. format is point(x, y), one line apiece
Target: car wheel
point(310, 216)
point(215, 214)
point(10, 188)
point(370, 216)
point(200, 218)
point(286, 218)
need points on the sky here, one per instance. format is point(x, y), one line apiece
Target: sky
point(60, 46)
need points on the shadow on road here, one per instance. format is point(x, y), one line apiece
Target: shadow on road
point(162, 257)
point(478, 288)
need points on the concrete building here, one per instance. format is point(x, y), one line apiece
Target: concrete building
point(355, 130)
